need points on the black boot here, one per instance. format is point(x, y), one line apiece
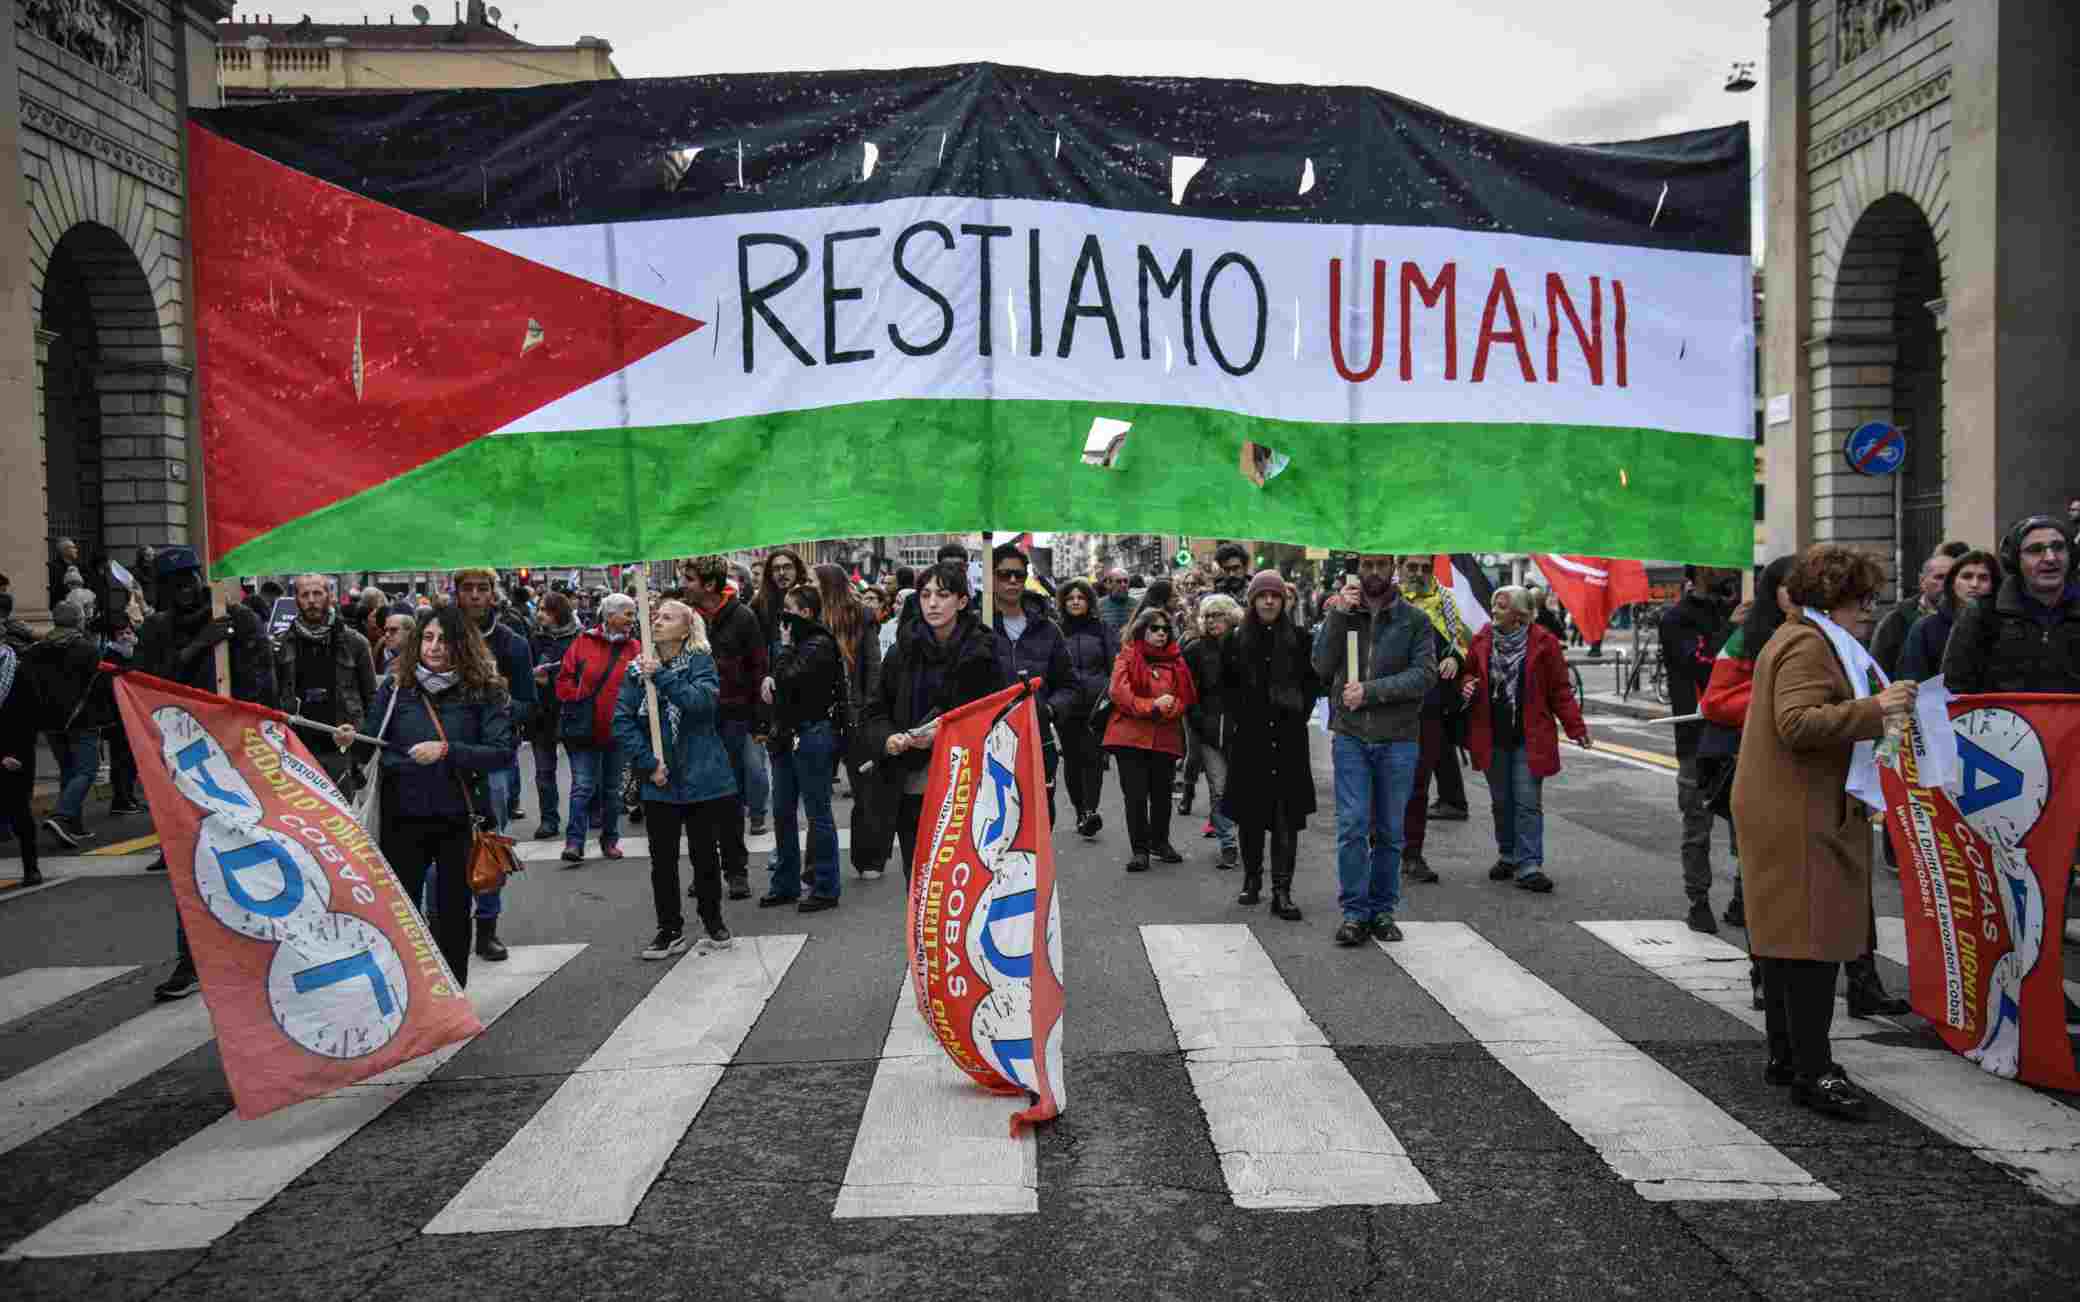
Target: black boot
point(1282, 905)
point(1867, 995)
point(1252, 887)
point(488, 947)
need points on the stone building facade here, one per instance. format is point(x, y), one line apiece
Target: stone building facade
point(96, 355)
point(1921, 268)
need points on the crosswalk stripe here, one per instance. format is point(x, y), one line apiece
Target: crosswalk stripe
point(2026, 1133)
point(1892, 943)
point(1650, 1126)
point(38, 988)
point(1713, 970)
point(638, 847)
point(197, 1192)
point(61, 1087)
point(591, 1152)
point(931, 1142)
point(1293, 1128)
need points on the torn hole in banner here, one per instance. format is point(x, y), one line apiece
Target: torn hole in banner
point(870, 154)
point(535, 336)
point(1183, 168)
point(1261, 464)
point(1107, 439)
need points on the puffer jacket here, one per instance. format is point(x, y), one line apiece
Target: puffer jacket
point(922, 677)
point(1092, 647)
point(697, 768)
point(479, 727)
point(595, 663)
point(1207, 716)
point(2004, 645)
point(549, 649)
point(1042, 652)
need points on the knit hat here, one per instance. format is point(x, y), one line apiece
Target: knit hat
point(1266, 581)
point(67, 614)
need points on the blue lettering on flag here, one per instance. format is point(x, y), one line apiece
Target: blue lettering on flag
point(2002, 781)
point(1008, 906)
point(285, 900)
point(193, 759)
point(347, 969)
point(1001, 780)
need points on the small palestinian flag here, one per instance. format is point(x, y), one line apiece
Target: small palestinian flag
point(570, 325)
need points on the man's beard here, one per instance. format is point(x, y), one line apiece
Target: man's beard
point(1375, 586)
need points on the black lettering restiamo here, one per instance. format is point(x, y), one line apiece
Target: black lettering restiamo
point(940, 279)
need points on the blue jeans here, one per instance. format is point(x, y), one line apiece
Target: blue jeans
point(1373, 782)
point(594, 771)
point(1216, 766)
point(545, 781)
point(747, 760)
point(1520, 817)
point(79, 760)
point(502, 782)
point(806, 774)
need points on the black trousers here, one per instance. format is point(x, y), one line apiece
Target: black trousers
point(15, 789)
point(909, 809)
point(1451, 781)
point(414, 845)
point(872, 825)
point(1083, 764)
point(1798, 1009)
point(705, 824)
point(1285, 846)
point(1144, 779)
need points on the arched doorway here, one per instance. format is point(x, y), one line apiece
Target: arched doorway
point(102, 324)
point(1891, 283)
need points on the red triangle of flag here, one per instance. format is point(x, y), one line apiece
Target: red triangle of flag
point(343, 342)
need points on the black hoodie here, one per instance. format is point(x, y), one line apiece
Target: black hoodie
point(807, 681)
point(924, 676)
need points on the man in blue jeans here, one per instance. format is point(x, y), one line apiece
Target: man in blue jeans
point(1376, 723)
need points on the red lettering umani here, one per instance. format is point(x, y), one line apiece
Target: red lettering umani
point(1500, 293)
point(1379, 312)
point(1446, 286)
point(1557, 301)
point(1618, 325)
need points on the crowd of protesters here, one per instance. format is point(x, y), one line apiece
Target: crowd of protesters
point(771, 686)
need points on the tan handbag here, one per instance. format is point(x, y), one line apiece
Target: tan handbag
point(491, 857)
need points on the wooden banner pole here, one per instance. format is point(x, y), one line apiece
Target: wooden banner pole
point(649, 649)
point(989, 583)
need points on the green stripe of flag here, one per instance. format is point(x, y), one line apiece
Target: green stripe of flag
point(589, 497)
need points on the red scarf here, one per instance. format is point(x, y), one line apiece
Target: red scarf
point(1140, 655)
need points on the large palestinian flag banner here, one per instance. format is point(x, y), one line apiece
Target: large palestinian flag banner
point(579, 324)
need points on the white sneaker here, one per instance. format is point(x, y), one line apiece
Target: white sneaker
point(870, 875)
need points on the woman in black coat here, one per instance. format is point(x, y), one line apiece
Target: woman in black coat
point(1092, 649)
point(18, 720)
point(434, 775)
point(1269, 688)
point(944, 659)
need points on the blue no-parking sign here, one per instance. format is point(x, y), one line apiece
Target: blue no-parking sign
point(1875, 448)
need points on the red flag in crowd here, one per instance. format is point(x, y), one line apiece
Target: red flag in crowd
point(1591, 588)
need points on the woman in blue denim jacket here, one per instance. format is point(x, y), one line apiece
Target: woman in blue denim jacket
point(690, 787)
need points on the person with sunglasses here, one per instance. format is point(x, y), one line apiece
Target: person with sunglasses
point(1152, 688)
point(2027, 639)
point(1038, 650)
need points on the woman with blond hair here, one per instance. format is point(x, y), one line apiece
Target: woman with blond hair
point(1818, 700)
point(690, 787)
point(451, 729)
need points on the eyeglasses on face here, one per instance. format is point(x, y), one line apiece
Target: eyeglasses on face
point(1012, 574)
point(1159, 628)
point(2053, 548)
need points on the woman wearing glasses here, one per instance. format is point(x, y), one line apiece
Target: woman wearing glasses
point(1151, 690)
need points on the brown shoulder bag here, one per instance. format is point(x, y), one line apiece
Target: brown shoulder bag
point(491, 857)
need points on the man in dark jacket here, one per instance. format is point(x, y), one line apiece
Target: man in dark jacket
point(77, 707)
point(324, 671)
point(179, 644)
point(1206, 719)
point(1889, 640)
point(1037, 649)
point(742, 661)
point(2027, 639)
point(476, 595)
point(1692, 631)
point(555, 629)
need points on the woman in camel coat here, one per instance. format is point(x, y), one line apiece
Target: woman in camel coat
point(1805, 842)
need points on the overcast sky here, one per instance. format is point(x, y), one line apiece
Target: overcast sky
point(1567, 70)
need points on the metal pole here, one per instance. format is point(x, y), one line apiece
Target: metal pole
point(649, 649)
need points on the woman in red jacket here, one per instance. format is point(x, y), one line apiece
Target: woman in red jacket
point(588, 685)
point(1517, 688)
point(1151, 689)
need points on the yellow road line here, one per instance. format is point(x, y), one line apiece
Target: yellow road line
point(1645, 756)
point(150, 842)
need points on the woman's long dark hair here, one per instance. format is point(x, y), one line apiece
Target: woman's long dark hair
point(1764, 618)
point(1988, 559)
point(465, 647)
point(1090, 599)
point(843, 614)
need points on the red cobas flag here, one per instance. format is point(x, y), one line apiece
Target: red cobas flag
point(317, 969)
point(1984, 868)
point(1592, 588)
point(985, 924)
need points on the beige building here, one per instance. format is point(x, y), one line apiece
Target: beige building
point(261, 59)
point(1921, 268)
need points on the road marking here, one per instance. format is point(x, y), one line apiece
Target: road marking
point(1293, 1129)
point(198, 1191)
point(149, 841)
point(593, 1150)
point(40, 987)
point(60, 1088)
point(2028, 1134)
point(638, 847)
point(1892, 943)
point(1659, 761)
point(62, 867)
point(932, 1142)
point(1713, 970)
point(1650, 1126)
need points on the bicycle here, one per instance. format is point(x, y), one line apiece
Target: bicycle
point(1657, 680)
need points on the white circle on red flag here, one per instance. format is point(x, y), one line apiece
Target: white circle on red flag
point(338, 987)
point(256, 881)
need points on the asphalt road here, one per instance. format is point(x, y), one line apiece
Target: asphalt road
point(1130, 1194)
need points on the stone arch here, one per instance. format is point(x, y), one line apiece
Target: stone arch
point(105, 283)
point(1911, 162)
point(1881, 358)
